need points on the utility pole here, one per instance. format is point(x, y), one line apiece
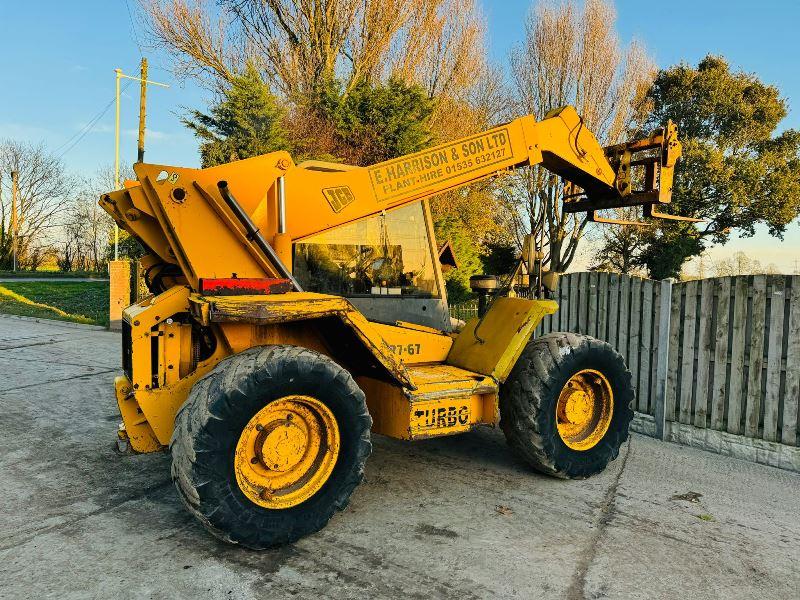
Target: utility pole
point(142, 104)
point(14, 192)
point(3, 231)
point(118, 74)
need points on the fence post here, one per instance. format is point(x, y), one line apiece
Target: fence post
point(665, 310)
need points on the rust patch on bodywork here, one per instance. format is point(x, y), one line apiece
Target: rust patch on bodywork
point(299, 306)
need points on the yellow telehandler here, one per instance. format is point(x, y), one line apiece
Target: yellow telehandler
point(296, 308)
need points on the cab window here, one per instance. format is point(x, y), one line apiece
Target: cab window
point(385, 255)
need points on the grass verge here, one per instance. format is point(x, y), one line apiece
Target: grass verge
point(53, 274)
point(80, 302)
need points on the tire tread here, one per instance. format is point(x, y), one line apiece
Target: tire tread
point(213, 399)
point(529, 391)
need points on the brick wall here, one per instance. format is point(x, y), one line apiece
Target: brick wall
point(120, 291)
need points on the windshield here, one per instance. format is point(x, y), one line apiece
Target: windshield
point(385, 255)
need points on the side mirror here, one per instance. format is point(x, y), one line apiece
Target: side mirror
point(484, 286)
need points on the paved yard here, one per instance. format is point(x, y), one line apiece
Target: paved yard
point(447, 518)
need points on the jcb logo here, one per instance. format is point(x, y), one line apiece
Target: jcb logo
point(339, 197)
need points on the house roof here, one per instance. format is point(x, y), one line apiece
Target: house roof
point(447, 255)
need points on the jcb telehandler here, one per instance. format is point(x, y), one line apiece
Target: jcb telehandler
point(296, 308)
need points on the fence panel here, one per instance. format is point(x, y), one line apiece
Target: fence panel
point(655, 343)
point(673, 361)
point(602, 307)
point(732, 347)
point(633, 327)
point(777, 300)
point(645, 348)
point(583, 303)
point(613, 309)
point(721, 340)
point(792, 394)
point(704, 341)
point(591, 323)
point(572, 323)
point(561, 296)
point(756, 355)
point(624, 316)
point(736, 387)
point(688, 347)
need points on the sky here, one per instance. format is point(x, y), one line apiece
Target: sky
point(58, 75)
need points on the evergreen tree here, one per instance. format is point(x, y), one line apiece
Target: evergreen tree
point(467, 254)
point(375, 122)
point(247, 121)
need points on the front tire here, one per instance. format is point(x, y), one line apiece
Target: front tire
point(566, 408)
point(312, 416)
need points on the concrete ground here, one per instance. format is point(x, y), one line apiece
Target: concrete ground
point(457, 517)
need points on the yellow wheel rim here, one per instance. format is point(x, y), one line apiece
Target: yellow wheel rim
point(287, 452)
point(584, 409)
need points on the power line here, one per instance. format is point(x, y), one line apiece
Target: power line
point(83, 129)
point(93, 121)
point(133, 28)
point(81, 133)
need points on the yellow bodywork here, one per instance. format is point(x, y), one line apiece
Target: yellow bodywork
point(419, 382)
point(173, 210)
point(287, 451)
point(493, 344)
point(412, 394)
point(444, 401)
point(584, 409)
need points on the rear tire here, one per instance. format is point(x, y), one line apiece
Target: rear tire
point(209, 424)
point(529, 399)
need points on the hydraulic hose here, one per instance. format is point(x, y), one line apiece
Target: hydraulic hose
point(254, 235)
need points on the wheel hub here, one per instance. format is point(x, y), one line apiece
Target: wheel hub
point(287, 451)
point(584, 409)
point(578, 407)
point(282, 447)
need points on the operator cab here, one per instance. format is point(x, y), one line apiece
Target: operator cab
point(387, 265)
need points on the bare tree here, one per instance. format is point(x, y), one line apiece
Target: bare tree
point(42, 193)
point(739, 263)
point(86, 236)
point(572, 55)
point(621, 246)
point(202, 41)
point(91, 231)
point(39, 255)
point(441, 47)
point(65, 255)
point(301, 43)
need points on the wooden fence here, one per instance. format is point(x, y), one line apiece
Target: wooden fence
point(720, 354)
